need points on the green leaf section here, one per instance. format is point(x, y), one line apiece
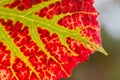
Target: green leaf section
point(29, 18)
point(33, 21)
point(15, 52)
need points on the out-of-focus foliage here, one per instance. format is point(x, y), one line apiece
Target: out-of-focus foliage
point(116, 1)
point(109, 16)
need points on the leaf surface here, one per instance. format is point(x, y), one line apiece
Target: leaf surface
point(46, 39)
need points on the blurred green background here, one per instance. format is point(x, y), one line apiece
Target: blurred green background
point(100, 67)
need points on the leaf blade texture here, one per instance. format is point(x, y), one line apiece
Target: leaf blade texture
point(46, 39)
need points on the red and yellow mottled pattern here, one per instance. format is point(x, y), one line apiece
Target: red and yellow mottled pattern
point(5, 72)
point(23, 4)
point(49, 52)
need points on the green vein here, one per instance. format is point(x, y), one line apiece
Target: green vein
point(47, 25)
point(28, 18)
point(14, 50)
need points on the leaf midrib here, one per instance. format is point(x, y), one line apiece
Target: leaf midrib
point(71, 33)
point(61, 31)
point(32, 20)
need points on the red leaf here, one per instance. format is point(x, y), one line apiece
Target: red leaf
point(46, 39)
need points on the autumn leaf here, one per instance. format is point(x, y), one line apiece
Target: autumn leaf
point(46, 39)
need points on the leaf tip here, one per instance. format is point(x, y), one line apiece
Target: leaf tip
point(103, 51)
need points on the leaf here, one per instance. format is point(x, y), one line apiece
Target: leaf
point(46, 39)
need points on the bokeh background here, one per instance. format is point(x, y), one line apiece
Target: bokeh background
point(100, 67)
